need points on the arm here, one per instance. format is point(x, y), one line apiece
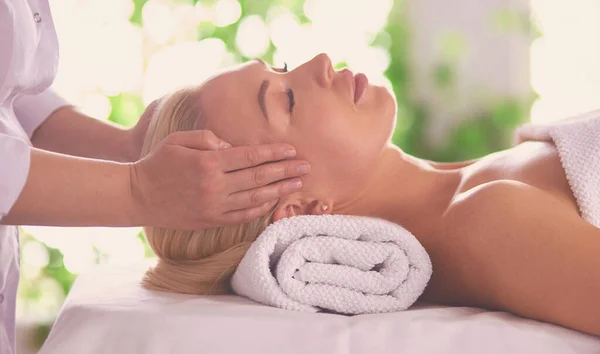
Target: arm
point(54, 125)
point(529, 253)
point(188, 182)
point(62, 190)
point(68, 131)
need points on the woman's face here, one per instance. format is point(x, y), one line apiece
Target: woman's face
point(311, 107)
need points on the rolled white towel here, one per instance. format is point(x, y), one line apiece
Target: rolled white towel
point(339, 263)
point(578, 143)
point(577, 140)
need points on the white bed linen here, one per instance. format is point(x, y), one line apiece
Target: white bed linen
point(108, 312)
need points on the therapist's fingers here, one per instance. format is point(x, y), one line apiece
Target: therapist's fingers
point(255, 177)
point(536, 132)
point(249, 156)
point(197, 140)
point(259, 196)
point(247, 215)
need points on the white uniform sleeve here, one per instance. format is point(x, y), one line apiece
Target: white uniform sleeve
point(32, 111)
point(14, 168)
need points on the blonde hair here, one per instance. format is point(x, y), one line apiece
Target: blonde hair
point(198, 261)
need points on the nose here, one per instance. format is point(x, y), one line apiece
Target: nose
point(322, 69)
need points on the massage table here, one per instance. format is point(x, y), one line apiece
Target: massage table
point(107, 311)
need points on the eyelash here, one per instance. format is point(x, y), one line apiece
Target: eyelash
point(290, 93)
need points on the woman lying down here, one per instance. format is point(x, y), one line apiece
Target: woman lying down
point(503, 232)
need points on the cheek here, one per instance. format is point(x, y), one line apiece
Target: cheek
point(340, 151)
point(342, 144)
point(237, 128)
point(342, 168)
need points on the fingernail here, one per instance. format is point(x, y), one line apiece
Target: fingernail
point(304, 168)
point(289, 153)
point(297, 184)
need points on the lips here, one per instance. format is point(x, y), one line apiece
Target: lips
point(357, 84)
point(361, 82)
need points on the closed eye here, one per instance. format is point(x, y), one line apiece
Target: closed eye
point(290, 94)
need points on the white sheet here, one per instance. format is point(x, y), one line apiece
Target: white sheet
point(108, 312)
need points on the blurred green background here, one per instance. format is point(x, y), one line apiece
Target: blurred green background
point(118, 55)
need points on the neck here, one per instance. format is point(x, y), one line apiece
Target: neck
point(406, 190)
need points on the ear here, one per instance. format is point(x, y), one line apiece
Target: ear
point(292, 206)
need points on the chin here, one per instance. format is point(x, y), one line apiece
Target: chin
point(390, 109)
point(388, 91)
point(385, 98)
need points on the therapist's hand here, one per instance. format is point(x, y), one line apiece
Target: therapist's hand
point(194, 180)
point(535, 132)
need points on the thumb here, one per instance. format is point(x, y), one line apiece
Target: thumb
point(197, 139)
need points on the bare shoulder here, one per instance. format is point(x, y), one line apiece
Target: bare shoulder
point(506, 212)
point(481, 229)
point(502, 201)
point(510, 246)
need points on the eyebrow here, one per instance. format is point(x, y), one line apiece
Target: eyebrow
point(261, 97)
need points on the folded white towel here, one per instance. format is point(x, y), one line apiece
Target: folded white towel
point(339, 263)
point(578, 142)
